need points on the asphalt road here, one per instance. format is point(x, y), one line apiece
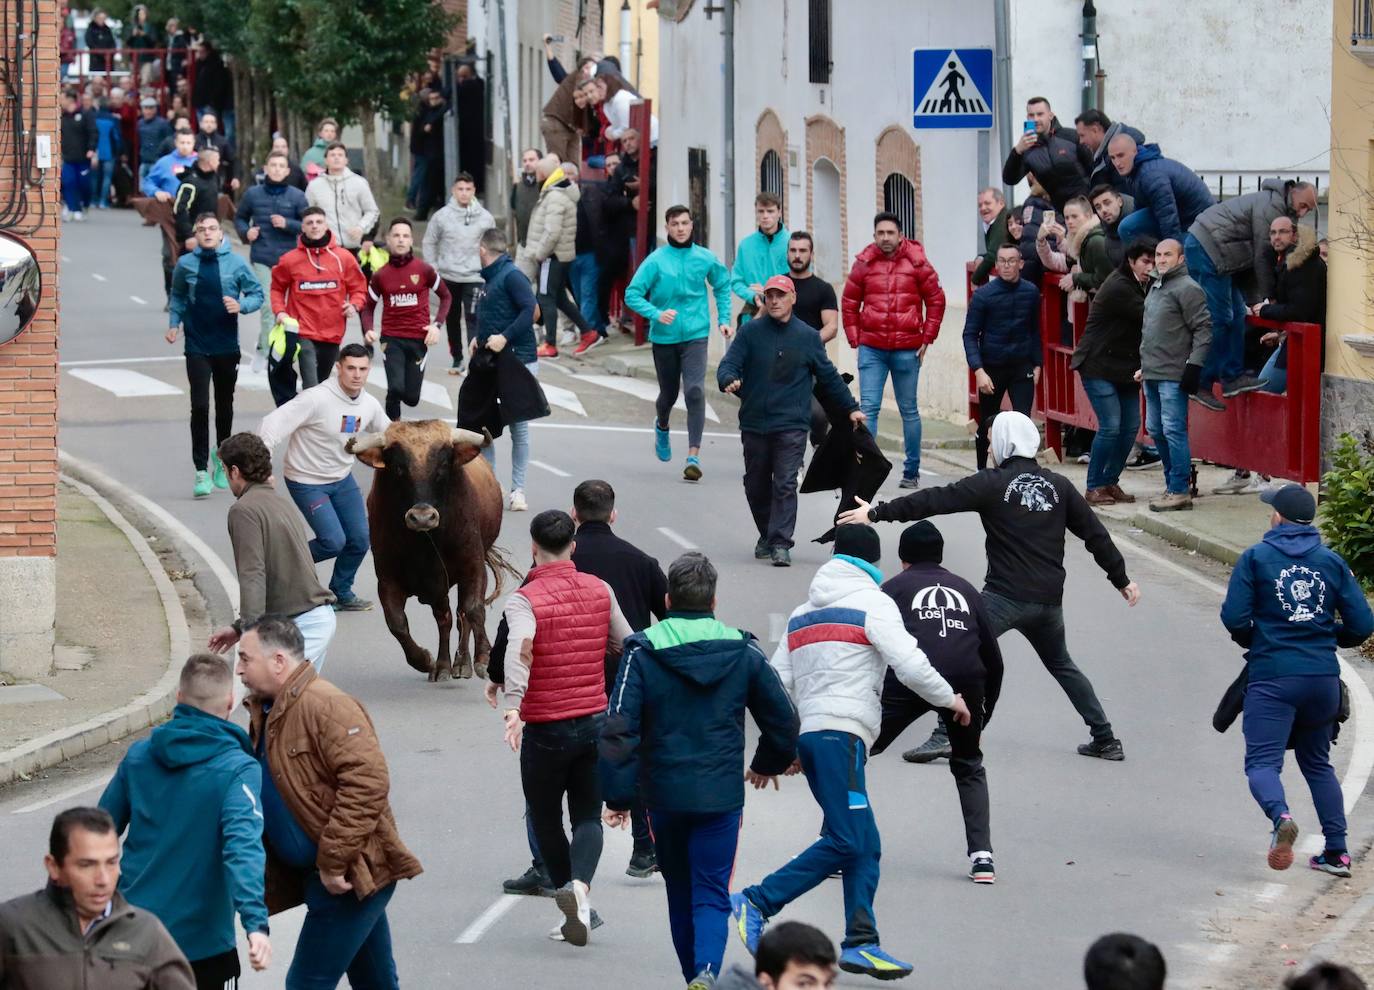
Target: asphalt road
point(1151, 845)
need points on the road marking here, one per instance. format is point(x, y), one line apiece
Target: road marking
point(98, 277)
point(541, 425)
point(140, 300)
point(559, 472)
point(65, 259)
point(677, 538)
point(253, 381)
point(124, 383)
point(487, 919)
point(129, 360)
point(640, 389)
point(1270, 892)
point(564, 398)
point(777, 625)
point(64, 795)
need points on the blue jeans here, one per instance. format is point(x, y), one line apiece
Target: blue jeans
point(317, 629)
point(1276, 378)
point(1138, 223)
point(1166, 419)
point(834, 766)
point(143, 169)
point(519, 447)
point(343, 935)
point(1226, 304)
point(584, 275)
point(75, 176)
point(905, 367)
point(101, 177)
point(419, 175)
point(1303, 708)
point(338, 516)
point(696, 855)
point(1118, 421)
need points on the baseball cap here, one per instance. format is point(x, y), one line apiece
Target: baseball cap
point(1294, 502)
point(779, 283)
point(148, 101)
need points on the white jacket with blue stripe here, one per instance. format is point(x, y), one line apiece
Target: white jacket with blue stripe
point(838, 647)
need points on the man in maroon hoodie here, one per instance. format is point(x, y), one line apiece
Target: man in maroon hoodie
point(402, 287)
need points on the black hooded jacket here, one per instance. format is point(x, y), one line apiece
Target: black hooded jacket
point(1059, 163)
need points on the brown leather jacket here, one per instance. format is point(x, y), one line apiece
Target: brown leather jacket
point(329, 768)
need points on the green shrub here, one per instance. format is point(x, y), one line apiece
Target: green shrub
point(1347, 510)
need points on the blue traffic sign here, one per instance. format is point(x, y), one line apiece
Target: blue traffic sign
point(951, 88)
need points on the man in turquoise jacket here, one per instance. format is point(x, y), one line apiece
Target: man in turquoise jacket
point(760, 256)
point(188, 795)
point(669, 290)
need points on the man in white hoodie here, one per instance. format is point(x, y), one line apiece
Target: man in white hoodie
point(450, 245)
point(838, 648)
point(317, 424)
point(345, 197)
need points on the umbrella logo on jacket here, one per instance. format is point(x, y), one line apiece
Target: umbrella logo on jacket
point(933, 602)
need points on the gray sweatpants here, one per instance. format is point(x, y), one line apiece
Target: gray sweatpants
point(682, 367)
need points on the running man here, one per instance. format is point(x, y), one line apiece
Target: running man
point(402, 287)
point(838, 648)
point(211, 286)
point(670, 291)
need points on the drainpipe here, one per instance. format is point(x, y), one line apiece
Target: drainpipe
point(1002, 55)
point(1089, 54)
point(729, 110)
point(626, 50)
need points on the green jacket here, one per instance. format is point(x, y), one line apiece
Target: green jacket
point(314, 155)
point(757, 259)
point(676, 278)
point(1093, 259)
point(993, 238)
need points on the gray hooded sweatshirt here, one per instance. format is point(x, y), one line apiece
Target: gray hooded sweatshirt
point(1177, 329)
point(347, 203)
point(451, 238)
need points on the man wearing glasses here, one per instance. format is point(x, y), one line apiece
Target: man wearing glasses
point(211, 286)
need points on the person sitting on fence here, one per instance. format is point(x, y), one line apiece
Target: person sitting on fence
point(1081, 255)
point(1112, 206)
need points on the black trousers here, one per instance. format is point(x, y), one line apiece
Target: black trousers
point(555, 296)
point(557, 759)
point(317, 360)
point(902, 706)
point(404, 359)
point(201, 370)
point(281, 371)
point(462, 311)
point(771, 464)
point(219, 972)
point(1016, 380)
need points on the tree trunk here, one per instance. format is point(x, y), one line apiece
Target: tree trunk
point(372, 163)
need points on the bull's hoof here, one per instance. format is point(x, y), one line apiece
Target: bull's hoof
point(423, 661)
point(464, 669)
point(480, 669)
point(440, 674)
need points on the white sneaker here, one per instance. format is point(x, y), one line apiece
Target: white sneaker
point(573, 901)
point(66, 213)
point(259, 364)
point(568, 339)
point(517, 501)
point(79, 217)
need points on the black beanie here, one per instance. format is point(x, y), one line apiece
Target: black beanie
point(921, 542)
point(859, 541)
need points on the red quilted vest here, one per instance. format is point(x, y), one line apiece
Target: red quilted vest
point(572, 614)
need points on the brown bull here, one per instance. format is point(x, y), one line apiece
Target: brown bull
point(434, 512)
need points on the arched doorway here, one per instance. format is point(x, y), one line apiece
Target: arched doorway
point(825, 219)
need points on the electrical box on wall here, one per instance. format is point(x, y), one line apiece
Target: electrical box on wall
point(793, 166)
point(42, 151)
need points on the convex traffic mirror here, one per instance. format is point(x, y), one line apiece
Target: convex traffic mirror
point(21, 287)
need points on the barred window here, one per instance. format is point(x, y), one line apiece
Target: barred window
point(770, 174)
point(899, 197)
point(818, 23)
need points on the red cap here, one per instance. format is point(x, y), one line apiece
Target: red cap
point(781, 283)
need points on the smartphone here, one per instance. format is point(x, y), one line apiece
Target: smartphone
point(1048, 218)
point(1028, 127)
point(556, 39)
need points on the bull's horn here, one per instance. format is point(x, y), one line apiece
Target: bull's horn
point(467, 436)
point(365, 441)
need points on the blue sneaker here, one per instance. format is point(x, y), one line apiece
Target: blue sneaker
point(1335, 863)
point(663, 445)
point(692, 470)
point(749, 922)
point(871, 960)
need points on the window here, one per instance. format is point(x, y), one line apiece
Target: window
point(699, 194)
point(770, 174)
point(818, 23)
point(899, 197)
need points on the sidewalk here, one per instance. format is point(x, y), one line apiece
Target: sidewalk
point(122, 633)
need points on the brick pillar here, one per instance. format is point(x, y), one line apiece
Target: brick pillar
point(28, 387)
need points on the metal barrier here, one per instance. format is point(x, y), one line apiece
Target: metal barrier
point(1278, 435)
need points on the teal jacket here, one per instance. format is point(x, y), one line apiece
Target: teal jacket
point(235, 276)
point(188, 795)
point(757, 259)
point(675, 277)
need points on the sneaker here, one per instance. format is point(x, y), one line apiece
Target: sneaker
point(761, 549)
point(204, 486)
point(66, 213)
point(1240, 483)
point(1171, 502)
point(781, 557)
point(217, 475)
point(748, 920)
point(1207, 400)
point(663, 444)
point(567, 338)
point(457, 367)
point(871, 960)
point(556, 932)
point(704, 980)
point(1109, 750)
point(517, 501)
point(1281, 842)
point(1145, 460)
point(1084, 458)
point(1099, 496)
point(547, 351)
point(590, 339)
point(577, 912)
point(353, 604)
point(982, 871)
point(79, 217)
point(642, 865)
point(534, 882)
point(935, 748)
point(1241, 385)
point(910, 481)
point(691, 471)
point(1335, 863)
point(1116, 493)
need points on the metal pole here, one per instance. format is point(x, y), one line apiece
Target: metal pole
point(1002, 51)
point(984, 152)
point(729, 110)
point(1089, 52)
point(626, 50)
point(512, 153)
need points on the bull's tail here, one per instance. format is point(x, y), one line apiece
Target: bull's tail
point(499, 564)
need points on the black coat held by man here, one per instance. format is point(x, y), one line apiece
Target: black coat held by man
point(498, 391)
point(848, 459)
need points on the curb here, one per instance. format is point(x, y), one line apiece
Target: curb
point(147, 709)
point(1151, 523)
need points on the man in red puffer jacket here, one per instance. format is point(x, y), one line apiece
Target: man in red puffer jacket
point(893, 305)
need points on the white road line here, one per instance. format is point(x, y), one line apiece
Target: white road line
point(487, 919)
point(677, 538)
point(541, 425)
point(559, 472)
point(125, 383)
point(140, 300)
point(64, 795)
point(564, 398)
point(777, 626)
point(98, 277)
point(129, 360)
point(1270, 892)
point(65, 258)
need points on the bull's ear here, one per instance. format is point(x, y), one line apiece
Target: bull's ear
point(467, 444)
point(372, 457)
point(464, 452)
point(368, 448)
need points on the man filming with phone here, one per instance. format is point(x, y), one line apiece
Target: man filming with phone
point(1050, 152)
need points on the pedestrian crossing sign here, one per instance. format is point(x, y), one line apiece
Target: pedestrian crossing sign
point(951, 88)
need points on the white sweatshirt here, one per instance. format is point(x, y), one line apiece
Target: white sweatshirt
point(318, 423)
